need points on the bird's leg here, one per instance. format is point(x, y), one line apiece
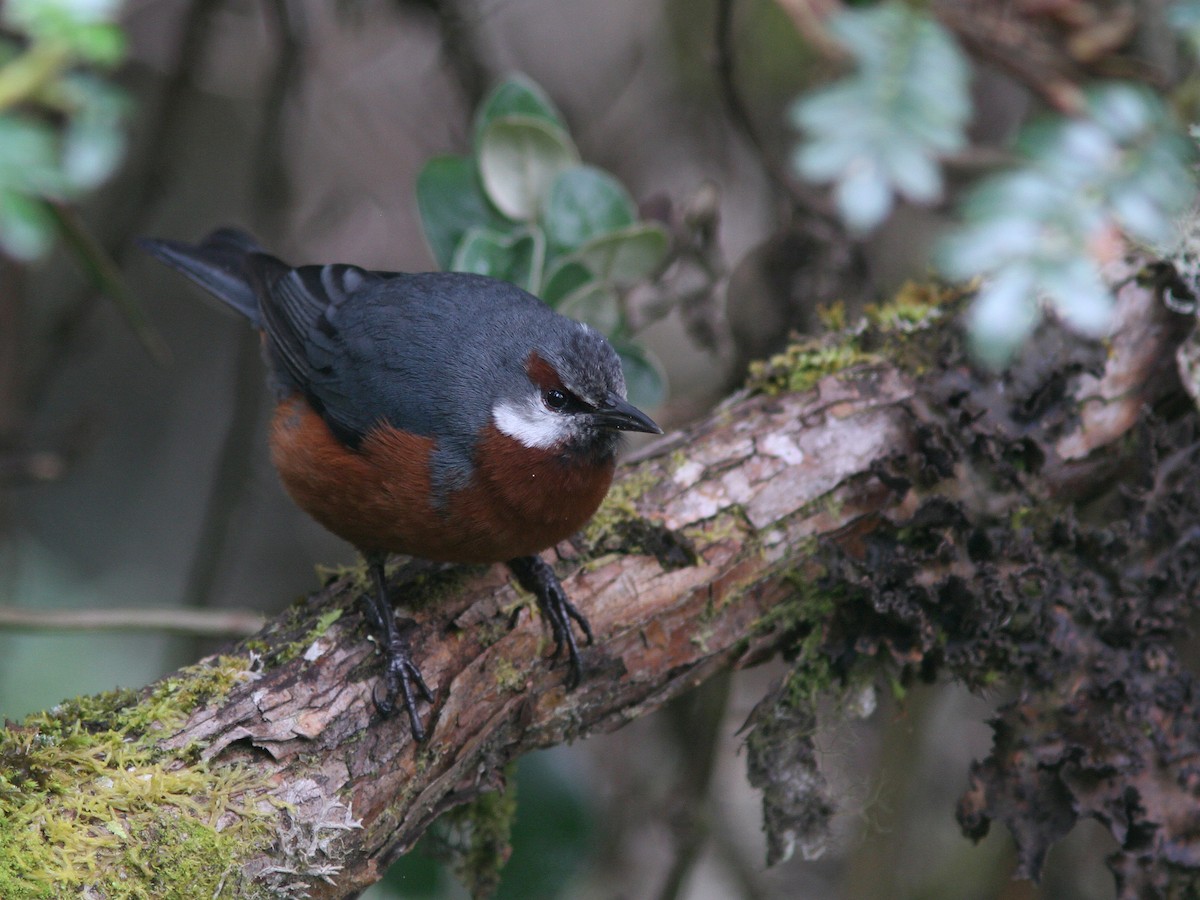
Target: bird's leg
point(400, 673)
point(535, 575)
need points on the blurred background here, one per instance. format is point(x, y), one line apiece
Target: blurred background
point(135, 472)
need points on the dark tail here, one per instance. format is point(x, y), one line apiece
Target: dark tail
point(217, 264)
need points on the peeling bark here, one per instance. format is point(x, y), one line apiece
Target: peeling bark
point(949, 523)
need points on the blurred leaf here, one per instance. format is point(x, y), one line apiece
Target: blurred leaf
point(29, 156)
point(1184, 17)
point(26, 226)
point(1079, 294)
point(625, 256)
point(879, 131)
point(60, 127)
point(583, 203)
point(94, 141)
point(645, 377)
point(450, 201)
point(864, 196)
point(1003, 316)
point(563, 278)
point(1041, 227)
point(596, 304)
point(87, 28)
point(516, 96)
point(519, 159)
point(515, 256)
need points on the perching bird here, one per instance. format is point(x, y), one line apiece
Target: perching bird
point(447, 416)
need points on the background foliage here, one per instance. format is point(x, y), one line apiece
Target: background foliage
point(697, 179)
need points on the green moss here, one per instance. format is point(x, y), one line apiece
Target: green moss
point(914, 306)
point(326, 619)
point(88, 799)
point(804, 616)
point(618, 526)
point(609, 527)
point(509, 677)
point(355, 574)
point(477, 838)
point(803, 364)
point(172, 699)
point(832, 317)
point(886, 332)
point(492, 630)
point(131, 714)
point(621, 502)
point(99, 809)
point(733, 524)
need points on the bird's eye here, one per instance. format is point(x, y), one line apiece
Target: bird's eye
point(555, 399)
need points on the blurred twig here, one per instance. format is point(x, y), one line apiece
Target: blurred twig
point(735, 106)
point(805, 205)
point(270, 177)
point(18, 467)
point(272, 187)
point(139, 194)
point(463, 49)
point(808, 16)
point(1021, 45)
point(105, 276)
point(224, 623)
point(232, 472)
point(12, 405)
point(696, 730)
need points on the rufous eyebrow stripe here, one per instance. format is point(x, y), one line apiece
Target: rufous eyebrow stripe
point(541, 373)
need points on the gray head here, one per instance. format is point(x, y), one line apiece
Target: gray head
point(573, 400)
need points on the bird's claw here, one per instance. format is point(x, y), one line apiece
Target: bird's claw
point(536, 576)
point(400, 673)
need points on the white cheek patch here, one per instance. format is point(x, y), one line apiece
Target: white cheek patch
point(531, 423)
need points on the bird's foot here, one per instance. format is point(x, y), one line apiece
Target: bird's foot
point(535, 575)
point(401, 677)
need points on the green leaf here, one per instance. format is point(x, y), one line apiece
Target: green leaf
point(625, 256)
point(563, 278)
point(29, 157)
point(516, 256)
point(103, 43)
point(1032, 232)
point(86, 27)
point(451, 201)
point(516, 96)
point(26, 227)
point(1003, 316)
point(585, 202)
point(93, 142)
point(879, 131)
point(1184, 17)
point(596, 304)
point(519, 159)
point(645, 377)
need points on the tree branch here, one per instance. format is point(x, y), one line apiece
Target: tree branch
point(870, 500)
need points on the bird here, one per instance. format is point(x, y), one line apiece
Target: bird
point(442, 415)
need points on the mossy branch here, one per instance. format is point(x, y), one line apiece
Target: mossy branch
point(852, 516)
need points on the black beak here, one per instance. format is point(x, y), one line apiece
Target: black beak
point(622, 415)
